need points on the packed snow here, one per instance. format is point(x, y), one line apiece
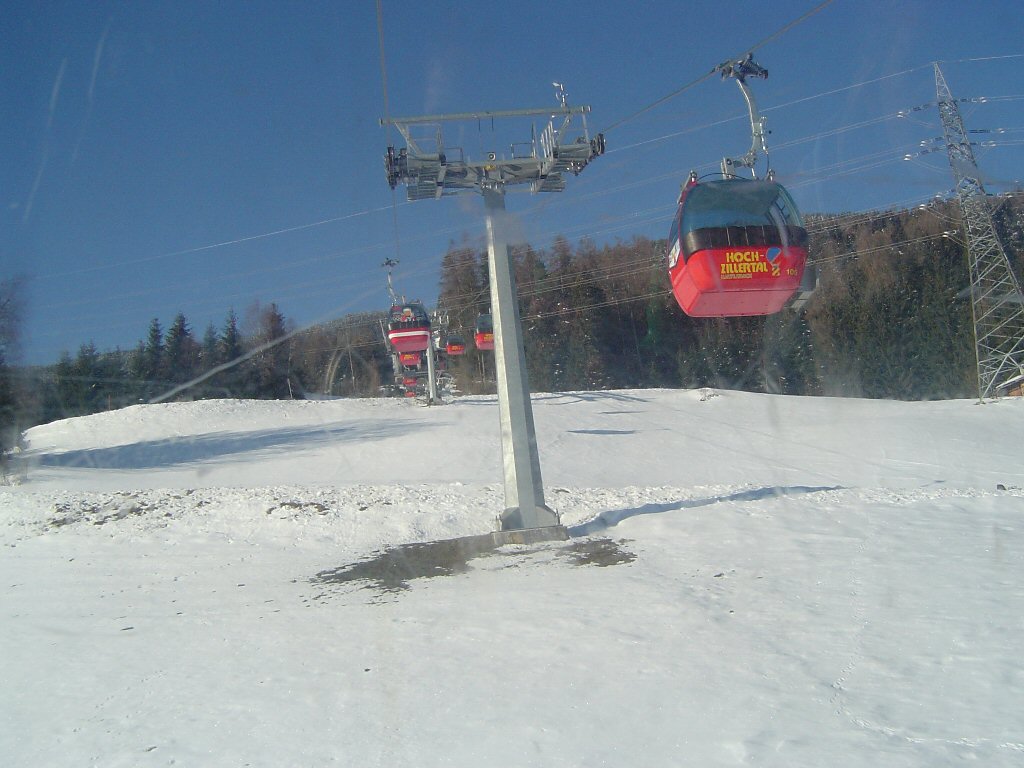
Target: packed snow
point(750, 580)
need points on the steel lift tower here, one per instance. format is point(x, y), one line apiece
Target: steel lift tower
point(429, 170)
point(996, 299)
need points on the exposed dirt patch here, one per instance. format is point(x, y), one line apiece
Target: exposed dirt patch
point(118, 507)
point(393, 569)
point(599, 552)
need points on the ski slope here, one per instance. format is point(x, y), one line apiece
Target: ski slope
point(750, 580)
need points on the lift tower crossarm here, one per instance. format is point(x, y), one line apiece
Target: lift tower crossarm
point(430, 170)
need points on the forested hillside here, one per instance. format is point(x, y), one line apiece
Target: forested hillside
point(891, 319)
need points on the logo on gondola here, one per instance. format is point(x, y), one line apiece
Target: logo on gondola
point(742, 265)
point(772, 255)
point(673, 255)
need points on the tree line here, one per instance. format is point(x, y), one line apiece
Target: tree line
point(11, 293)
point(891, 319)
point(261, 357)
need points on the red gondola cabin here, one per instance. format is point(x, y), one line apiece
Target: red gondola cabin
point(455, 345)
point(737, 247)
point(409, 328)
point(484, 336)
point(410, 359)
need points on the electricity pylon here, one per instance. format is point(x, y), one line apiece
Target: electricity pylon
point(997, 303)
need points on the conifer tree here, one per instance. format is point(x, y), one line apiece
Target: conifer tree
point(208, 349)
point(152, 355)
point(86, 390)
point(230, 341)
point(272, 365)
point(230, 382)
point(8, 406)
point(10, 323)
point(180, 351)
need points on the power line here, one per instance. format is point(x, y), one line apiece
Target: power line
point(368, 211)
point(704, 77)
point(197, 249)
point(846, 167)
point(639, 265)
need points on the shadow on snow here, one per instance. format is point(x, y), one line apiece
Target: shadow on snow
point(393, 569)
point(169, 452)
point(613, 517)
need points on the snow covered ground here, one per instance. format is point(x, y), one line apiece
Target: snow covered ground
point(751, 580)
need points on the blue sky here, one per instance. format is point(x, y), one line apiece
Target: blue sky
point(160, 157)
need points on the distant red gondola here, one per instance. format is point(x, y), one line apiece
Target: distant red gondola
point(409, 328)
point(410, 359)
point(484, 335)
point(454, 346)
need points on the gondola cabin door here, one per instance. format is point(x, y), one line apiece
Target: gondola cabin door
point(737, 247)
